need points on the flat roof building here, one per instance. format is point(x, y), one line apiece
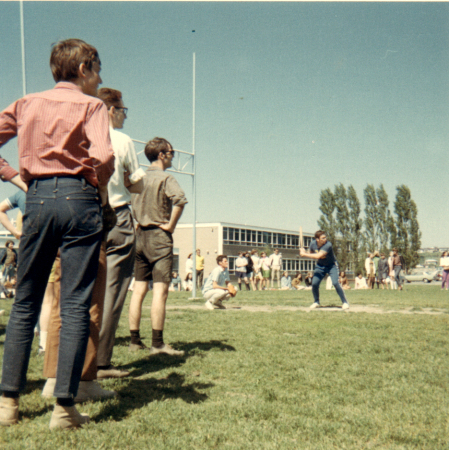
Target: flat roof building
point(223, 238)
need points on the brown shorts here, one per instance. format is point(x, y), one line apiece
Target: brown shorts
point(154, 255)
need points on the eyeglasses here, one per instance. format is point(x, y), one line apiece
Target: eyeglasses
point(171, 152)
point(125, 110)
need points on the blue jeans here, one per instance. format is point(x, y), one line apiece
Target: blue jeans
point(9, 271)
point(61, 213)
point(319, 273)
point(397, 275)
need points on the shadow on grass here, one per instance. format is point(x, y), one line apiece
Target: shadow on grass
point(139, 393)
point(160, 362)
point(205, 346)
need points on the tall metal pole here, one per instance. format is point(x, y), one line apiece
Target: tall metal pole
point(194, 183)
point(22, 36)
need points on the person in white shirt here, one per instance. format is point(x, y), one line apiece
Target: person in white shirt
point(215, 289)
point(360, 282)
point(265, 268)
point(189, 265)
point(240, 264)
point(393, 284)
point(120, 247)
point(257, 278)
point(276, 264)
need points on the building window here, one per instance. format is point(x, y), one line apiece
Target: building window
point(266, 238)
point(225, 233)
point(231, 261)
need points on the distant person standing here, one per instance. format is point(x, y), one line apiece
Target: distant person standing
point(382, 270)
point(189, 265)
point(276, 265)
point(393, 284)
point(376, 258)
point(250, 270)
point(444, 262)
point(398, 265)
point(240, 264)
point(265, 268)
point(370, 270)
point(321, 250)
point(9, 260)
point(257, 275)
point(199, 268)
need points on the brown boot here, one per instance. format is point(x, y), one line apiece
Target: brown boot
point(9, 411)
point(65, 417)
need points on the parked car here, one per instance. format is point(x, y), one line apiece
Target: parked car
point(439, 274)
point(426, 275)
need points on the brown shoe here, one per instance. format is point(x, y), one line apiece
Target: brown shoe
point(9, 411)
point(112, 372)
point(65, 417)
point(165, 350)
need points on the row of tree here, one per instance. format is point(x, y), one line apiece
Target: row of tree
point(353, 236)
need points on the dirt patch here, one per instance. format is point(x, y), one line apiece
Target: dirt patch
point(353, 309)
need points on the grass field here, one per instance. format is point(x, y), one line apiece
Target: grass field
point(268, 374)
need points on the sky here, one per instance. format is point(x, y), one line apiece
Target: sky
point(291, 98)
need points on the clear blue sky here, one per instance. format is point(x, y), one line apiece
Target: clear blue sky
point(292, 98)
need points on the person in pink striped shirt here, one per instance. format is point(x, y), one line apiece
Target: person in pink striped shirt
point(65, 162)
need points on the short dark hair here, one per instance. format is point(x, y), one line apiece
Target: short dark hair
point(220, 258)
point(66, 57)
point(319, 233)
point(9, 242)
point(110, 97)
point(155, 146)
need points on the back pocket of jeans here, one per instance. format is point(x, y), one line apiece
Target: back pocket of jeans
point(86, 215)
point(31, 218)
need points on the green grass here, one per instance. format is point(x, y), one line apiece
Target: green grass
point(269, 380)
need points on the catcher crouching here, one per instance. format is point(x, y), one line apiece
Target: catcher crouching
point(218, 287)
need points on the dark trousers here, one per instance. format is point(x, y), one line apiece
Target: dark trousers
point(64, 213)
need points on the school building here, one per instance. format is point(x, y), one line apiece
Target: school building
point(222, 238)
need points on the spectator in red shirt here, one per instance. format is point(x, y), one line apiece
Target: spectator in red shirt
point(65, 162)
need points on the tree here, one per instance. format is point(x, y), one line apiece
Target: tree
point(384, 219)
point(408, 237)
point(355, 228)
point(327, 220)
point(370, 234)
point(341, 226)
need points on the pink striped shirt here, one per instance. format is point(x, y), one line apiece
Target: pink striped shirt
point(60, 132)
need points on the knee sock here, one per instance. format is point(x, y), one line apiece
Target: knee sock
point(157, 340)
point(247, 287)
point(240, 286)
point(135, 336)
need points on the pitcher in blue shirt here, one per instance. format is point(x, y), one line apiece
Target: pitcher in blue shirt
point(321, 250)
